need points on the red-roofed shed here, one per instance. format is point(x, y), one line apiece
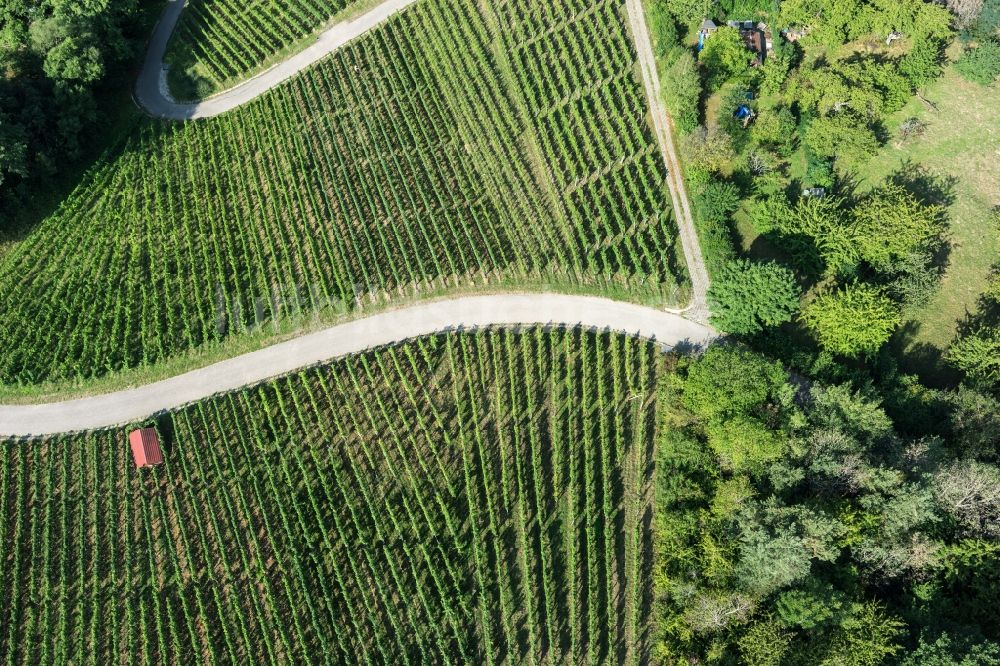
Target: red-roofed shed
point(145, 447)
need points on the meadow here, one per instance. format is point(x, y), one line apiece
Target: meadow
point(466, 498)
point(958, 148)
point(461, 145)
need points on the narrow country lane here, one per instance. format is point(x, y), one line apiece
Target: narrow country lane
point(698, 310)
point(152, 94)
point(394, 326)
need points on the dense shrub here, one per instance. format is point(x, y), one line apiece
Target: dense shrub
point(746, 297)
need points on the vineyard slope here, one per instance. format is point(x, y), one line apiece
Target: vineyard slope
point(153, 95)
point(479, 497)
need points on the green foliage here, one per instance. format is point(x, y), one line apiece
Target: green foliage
point(746, 297)
point(923, 63)
point(866, 638)
point(945, 650)
point(714, 205)
point(687, 12)
point(725, 56)
point(842, 134)
point(794, 549)
point(682, 91)
point(977, 354)
point(742, 399)
point(891, 224)
point(857, 319)
point(765, 643)
point(981, 64)
point(717, 201)
point(819, 234)
point(662, 28)
point(56, 58)
point(730, 381)
point(775, 129)
point(814, 606)
point(744, 443)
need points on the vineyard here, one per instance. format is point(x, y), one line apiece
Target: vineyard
point(219, 42)
point(467, 498)
point(457, 146)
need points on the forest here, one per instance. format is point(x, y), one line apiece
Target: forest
point(818, 501)
point(60, 61)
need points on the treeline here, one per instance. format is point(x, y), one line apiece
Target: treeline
point(798, 524)
point(56, 58)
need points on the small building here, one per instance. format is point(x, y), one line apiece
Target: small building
point(756, 37)
point(145, 447)
point(814, 192)
point(707, 29)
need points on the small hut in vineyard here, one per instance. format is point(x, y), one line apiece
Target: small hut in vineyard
point(145, 447)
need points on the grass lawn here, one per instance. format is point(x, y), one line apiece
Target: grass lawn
point(961, 143)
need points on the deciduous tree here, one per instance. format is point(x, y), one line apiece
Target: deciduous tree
point(857, 319)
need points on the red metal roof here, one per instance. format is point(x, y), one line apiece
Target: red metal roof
point(145, 447)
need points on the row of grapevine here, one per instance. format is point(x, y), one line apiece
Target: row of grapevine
point(224, 40)
point(465, 498)
point(426, 155)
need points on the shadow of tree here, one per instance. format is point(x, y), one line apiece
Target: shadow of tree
point(930, 188)
point(923, 359)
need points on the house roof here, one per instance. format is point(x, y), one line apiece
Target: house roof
point(708, 24)
point(145, 447)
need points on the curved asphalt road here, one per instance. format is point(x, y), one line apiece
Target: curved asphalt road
point(151, 90)
point(385, 328)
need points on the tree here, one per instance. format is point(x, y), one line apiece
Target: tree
point(715, 611)
point(891, 224)
point(974, 421)
point(923, 63)
point(725, 56)
point(728, 381)
point(717, 201)
point(774, 128)
point(857, 319)
point(746, 297)
point(946, 650)
point(966, 11)
point(682, 91)
point(969, 491)
point(765, 644)
point(866, 638)
point(814, 605)
point(828, 230)
point(769, 562)
point(842, 134)
point(981, 64)
point(977, 354)
point(707, 150)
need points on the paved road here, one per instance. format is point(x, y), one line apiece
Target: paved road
point(471, 312)
point(151, 90)
point(698, 310)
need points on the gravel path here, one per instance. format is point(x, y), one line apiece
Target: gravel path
point(698, 310)
point(153, 95)
point(394, 326)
